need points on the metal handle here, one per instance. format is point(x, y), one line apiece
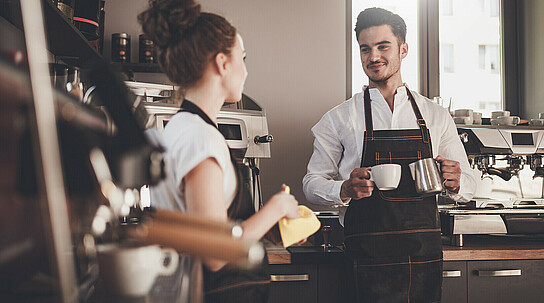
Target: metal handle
point(451, 274)
point(289, 278)
point(499, 273)
point(263, 139)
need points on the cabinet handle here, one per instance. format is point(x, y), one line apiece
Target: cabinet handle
point(499, 273)
point(451, 274)
point(289, 278)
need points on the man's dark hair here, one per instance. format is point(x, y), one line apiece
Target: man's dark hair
point(376, 16)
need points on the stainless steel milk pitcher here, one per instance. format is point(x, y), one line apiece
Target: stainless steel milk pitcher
point(427, 177)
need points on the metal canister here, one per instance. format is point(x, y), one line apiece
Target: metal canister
point(120, 47)
point(66, 7)
point(147, 50)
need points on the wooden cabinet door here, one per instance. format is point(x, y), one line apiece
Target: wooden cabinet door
point(332, 283)
point(296, 283)
point(454, 282)
point(506, 281)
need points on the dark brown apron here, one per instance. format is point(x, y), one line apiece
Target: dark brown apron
point(232, 283)
point(393, 237)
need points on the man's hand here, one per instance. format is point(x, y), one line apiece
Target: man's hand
point(451, 173)
point(358, 185)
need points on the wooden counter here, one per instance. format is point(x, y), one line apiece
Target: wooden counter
point(475, 248)
point(495, 248)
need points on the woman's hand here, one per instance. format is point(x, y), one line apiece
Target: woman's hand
point(285, 203)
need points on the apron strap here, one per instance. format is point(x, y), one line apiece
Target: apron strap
point(368, 116)
point(420, 121)
point(241, 207)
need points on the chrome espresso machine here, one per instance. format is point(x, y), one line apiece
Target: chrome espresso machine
point(243, 124)
point(509, 199)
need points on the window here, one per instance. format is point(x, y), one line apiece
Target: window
point(494, 8)
point(476, 39)
point(488, 58)
point(446, 7)
point(408, 10)
point(446, 58)
point(456, 61)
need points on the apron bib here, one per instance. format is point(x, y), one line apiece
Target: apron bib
point(232, 283)
point(393, 237)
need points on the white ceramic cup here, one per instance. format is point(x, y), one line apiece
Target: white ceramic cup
point(499, 113)
point(537, 122)
point(541, 115)
point(468, 120)
point(386, 176)
point(507, 120)
point(464, 112)
point(477, 118)
point(132, 270)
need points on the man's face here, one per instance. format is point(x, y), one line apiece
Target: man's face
point(381, 53)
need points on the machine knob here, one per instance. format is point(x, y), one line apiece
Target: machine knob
point(464, 137)
point(263, 139)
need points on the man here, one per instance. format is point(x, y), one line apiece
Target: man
point(392, 237)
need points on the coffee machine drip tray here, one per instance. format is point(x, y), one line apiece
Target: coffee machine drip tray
point(487, 216)
point(484, 205)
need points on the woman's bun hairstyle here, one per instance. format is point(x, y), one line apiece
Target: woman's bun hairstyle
point(185, 38)
point(168, 18)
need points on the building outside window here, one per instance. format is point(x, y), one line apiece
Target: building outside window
point(475, 36)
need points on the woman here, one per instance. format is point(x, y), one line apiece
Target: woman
point(204, 55)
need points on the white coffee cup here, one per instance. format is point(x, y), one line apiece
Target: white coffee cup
point(132, 270)
point(386, 176)
point(541, 115)
point(463, 120)
point(476, 118)
point(537, 122)
point(507, 120)
point(499, 113)
point(464, 112)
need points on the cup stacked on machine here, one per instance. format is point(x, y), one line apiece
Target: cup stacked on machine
point(464, 116)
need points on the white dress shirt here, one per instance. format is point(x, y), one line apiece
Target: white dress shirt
point(339, 136)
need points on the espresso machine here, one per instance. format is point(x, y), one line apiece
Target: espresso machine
point(509, 199)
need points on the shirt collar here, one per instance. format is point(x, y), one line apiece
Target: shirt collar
point(376, 95)
point(189, 106)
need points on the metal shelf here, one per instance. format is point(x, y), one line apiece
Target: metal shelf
point(137, 67)
point(64, 40)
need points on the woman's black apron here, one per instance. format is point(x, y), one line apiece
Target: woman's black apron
point(393, 237)
point(231, 283)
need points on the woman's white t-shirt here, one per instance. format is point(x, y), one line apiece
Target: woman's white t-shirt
point(188, 141)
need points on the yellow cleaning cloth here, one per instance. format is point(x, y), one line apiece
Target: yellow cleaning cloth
point(294, 230)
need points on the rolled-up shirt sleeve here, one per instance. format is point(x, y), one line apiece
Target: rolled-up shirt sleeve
point(451, 148)
point(322, 182)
